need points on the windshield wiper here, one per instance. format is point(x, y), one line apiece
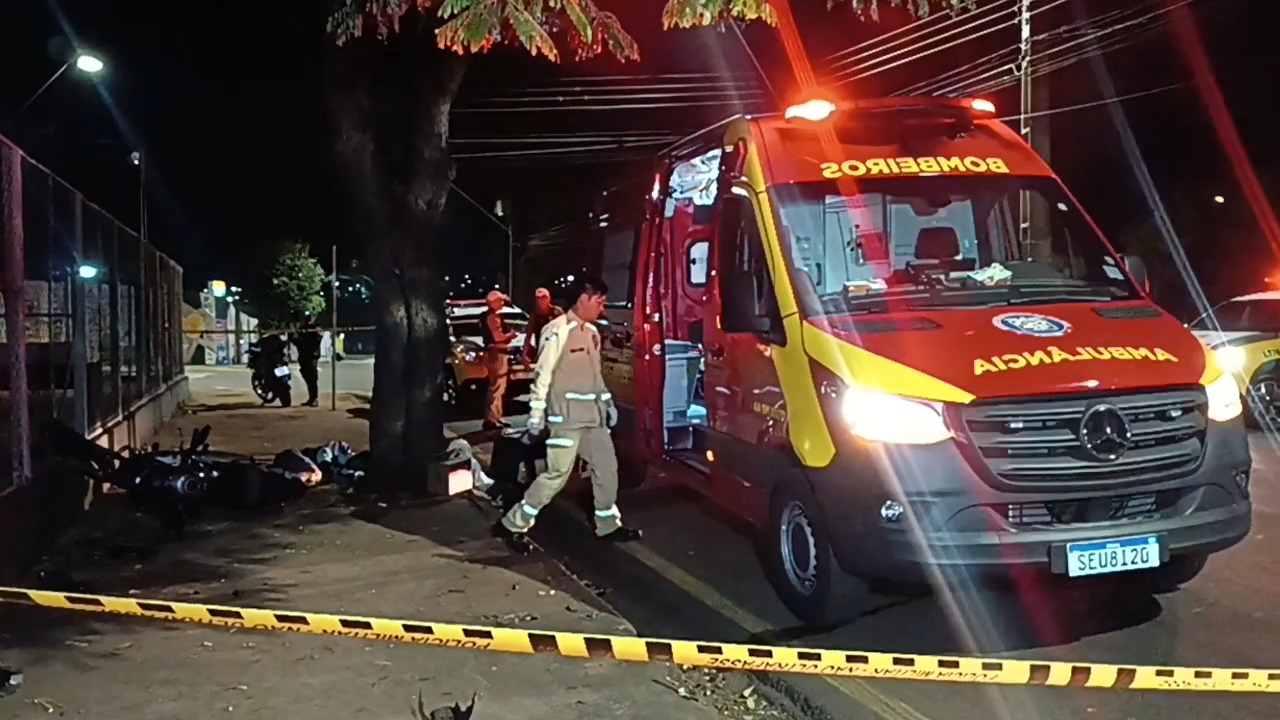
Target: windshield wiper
point(1023, 298)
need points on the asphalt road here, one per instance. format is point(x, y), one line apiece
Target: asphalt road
point(355, 376)
point(696, 577)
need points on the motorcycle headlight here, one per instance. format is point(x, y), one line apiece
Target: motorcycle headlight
point(1224, 398)
point(882, 417)
point(1229, 358)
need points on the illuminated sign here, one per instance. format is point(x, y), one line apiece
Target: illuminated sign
point(1053, 355)
point(912, 166)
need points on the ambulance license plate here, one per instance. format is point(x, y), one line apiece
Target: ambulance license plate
point(1101, 557)
point(282, 371)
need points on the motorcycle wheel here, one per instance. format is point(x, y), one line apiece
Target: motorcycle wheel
point(261, 390)
point(285, 397)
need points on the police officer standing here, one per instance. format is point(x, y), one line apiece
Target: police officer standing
point(543, 313)
point(497, 347)
point(570, 399)
point(307, 340)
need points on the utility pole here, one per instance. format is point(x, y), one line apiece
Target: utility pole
point(507, 226)
point(1024, 117)
point(333, 334)
point(14, 284)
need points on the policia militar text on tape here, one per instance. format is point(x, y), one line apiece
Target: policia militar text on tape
point(700, 653)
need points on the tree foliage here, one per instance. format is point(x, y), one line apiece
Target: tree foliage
point(474, 26)
point(297, 284)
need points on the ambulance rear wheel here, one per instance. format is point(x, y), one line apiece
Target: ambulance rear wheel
point(801, 563)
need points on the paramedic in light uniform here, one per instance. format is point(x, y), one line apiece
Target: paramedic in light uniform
point(497, 345)
point(570, 399)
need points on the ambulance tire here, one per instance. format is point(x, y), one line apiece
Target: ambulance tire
point(1180, 570)
point(800, 561)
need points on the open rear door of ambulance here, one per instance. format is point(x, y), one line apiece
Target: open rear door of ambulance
point(649, 359)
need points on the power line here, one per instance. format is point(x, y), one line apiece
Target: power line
point(853, 48)
point(976, 80)
point(627, 96)
point(849, 75)
point(560, 151)
point(878, 48)
point(1046, 68)
point(582, 108)
point(520, 140)
point(759, 70)
point(983, 67)
point(1098, 103)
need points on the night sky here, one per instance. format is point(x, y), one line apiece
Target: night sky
point(230, 110)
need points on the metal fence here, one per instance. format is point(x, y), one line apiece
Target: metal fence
point(92, 320)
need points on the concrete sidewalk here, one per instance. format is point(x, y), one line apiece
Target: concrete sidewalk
point(427, 560)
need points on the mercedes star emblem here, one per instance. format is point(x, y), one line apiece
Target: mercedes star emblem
point(1105, 433)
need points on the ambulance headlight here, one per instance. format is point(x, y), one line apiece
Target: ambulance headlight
point(1229, 358)
point(881, 417)
point(1224, 398)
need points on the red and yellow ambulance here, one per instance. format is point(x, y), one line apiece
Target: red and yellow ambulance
point(831, 315)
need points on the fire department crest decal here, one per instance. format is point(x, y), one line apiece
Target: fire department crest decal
point(1032, 324)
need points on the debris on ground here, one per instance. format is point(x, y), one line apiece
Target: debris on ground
point(734, 695)
point(10, 681)
point(448, 712)
point(509, 619)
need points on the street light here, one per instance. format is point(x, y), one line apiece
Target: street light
point(1219, 199)
point(86, 63)
point(89, 63)
point(88, 272)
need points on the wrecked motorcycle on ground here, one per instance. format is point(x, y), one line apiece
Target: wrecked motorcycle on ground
point(174, 485)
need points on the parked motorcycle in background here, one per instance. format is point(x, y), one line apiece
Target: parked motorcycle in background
point(269, 361)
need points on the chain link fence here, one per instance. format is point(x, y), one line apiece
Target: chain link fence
point(92, 314)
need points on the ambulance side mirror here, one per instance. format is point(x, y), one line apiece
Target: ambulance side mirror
point(1138, 270)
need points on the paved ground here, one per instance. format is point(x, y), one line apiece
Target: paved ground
point(431, 561)
point(696, 577)
point(354, 376)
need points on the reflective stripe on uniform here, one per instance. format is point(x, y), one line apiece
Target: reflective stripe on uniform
point(606, 396)
point(555, 418)
point(560, 442)
point(580, 396)
point(611, 512)
point(538, 404)
point(528, 509)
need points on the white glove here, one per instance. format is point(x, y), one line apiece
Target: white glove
point(610, 415)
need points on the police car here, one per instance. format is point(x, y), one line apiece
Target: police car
point(1244, 333)
point(466, 373)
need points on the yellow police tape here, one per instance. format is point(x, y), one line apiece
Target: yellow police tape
point(683, 652)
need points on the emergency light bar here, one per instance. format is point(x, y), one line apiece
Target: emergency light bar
point(816, 110)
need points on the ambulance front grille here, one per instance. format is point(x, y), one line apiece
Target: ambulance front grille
point(1036, 443)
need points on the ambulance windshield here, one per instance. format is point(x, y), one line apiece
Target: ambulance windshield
point(942, 241)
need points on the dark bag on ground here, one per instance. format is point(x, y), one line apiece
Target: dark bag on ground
point(511, 455)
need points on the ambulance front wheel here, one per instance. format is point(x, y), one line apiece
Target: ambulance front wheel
point(801, 563)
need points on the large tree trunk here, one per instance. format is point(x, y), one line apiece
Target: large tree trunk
point(392, 121)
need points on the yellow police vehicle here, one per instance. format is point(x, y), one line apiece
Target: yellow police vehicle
point(465, 377)
point(1244, 333)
